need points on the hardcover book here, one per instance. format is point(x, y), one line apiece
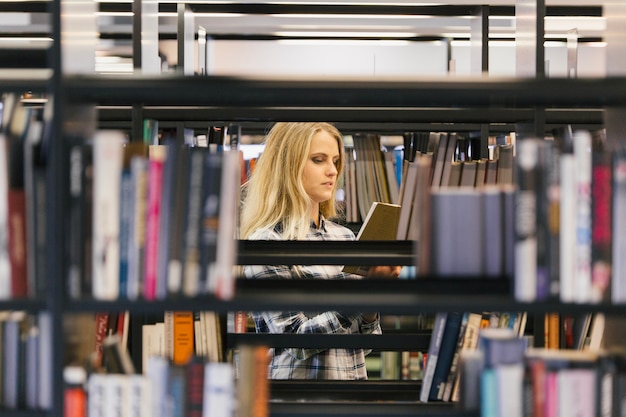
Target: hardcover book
point(381, 223)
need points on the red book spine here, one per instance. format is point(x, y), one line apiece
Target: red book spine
point(155, 177)
point(195, 387)
point(17, 242)
point(601, 236)
point(102, 322)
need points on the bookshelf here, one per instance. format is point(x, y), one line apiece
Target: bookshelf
point(403, 103)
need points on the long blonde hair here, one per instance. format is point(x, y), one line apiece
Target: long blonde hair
point(275, 193)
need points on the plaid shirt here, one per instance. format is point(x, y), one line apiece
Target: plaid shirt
point(299, 363)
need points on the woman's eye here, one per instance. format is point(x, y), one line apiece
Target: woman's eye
point(318, 160)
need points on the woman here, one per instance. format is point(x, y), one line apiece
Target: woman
point(291, 196)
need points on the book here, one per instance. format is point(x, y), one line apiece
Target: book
point(12, 357)
point(127, 210)
point(35, 157)
point(419, 211)
point(182, 337)
point(219, 390)
point(381, 223)
point(582, 261)
point(470, 343)
point(191, 245)
point(210, 218)
point(421, 219)
point(222, 282)
point(457, 232)
point(433, 354)
point(407, 197)
point(449, 158)
point(506, 164)
point(177, 224)
point(116, 359)
point(440, 159)
point(601, 217)
point(17, 132)
point(528, 185)
point(137, 228)
point(618, 283)
point(156, 161)
point(194, 374)
point(252, 383)
point(493, 220)
point(107, 154)
point(468, 174)
point(177, 390)
point(167, 218)
point(449, 384)
point(567, 220)
point(5, 264)
point(445, 355)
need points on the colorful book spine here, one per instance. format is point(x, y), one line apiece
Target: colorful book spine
point(153, 214)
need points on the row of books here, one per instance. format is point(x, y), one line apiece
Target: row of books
point(455, 333)
point(24, 133)
point(25, 361)
point(197, 388)
point(182, 335)
point(150, 221)
point(504, 377)
point(569, 227)
point(369, 175)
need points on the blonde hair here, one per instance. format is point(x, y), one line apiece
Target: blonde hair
point(275, 193)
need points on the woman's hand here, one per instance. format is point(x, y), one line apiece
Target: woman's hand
point(384, 271)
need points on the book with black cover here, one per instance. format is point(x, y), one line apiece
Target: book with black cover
point(446, 354)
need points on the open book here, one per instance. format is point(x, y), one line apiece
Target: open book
point(381, 223)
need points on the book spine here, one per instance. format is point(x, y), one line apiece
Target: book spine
point(618, 283)
point(191, 261)
point(433, 352)
point(223, 283)
point(209, 224)
point(174, 256)
point(526, 221)
point(567, 228)
point(447, 394)
point(445, 356)
point(601, 227)
point(137, 234)
point(167, 203)
point(17, 242)
point(219, 390)
point(106, 214)
point(126, 208)
point(183, 337)
point(5, 264)
point(582, 274)
point(153, 213)
point(195, 387)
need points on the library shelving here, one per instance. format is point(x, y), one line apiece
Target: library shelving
point(396, 105)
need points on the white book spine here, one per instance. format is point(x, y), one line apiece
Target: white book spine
point(219, 390)
point(222, 283)
point(582, 153)
point(106, 214)
point(618, 290)
point(5, 266)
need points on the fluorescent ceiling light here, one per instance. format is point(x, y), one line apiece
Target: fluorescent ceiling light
point(349, 16)
point(343, 42)
point(325, 34)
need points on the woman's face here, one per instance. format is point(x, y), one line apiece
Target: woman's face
point(320, 170)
